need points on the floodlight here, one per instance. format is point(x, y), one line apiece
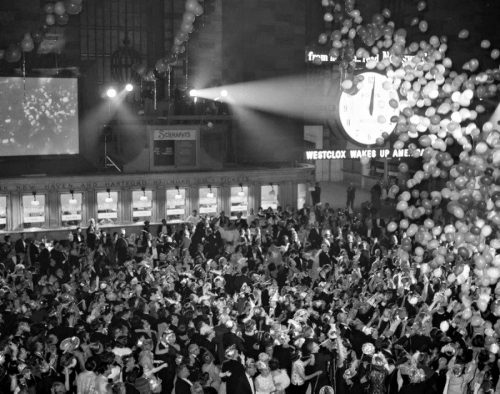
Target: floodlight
point(111, 92)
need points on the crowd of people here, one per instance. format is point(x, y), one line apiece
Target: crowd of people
point(317, 300)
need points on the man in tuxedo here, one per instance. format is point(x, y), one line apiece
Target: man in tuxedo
point(248, 387)
point(20, 245)
point(314, 238)
point(182, 384)
point(235, 374)
point(78, 235)
point(121, 247)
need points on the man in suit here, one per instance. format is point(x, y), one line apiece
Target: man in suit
point(234, 374)
point(182, 384)
point(248, 387)
point(121, 247)
point(78, 235)
point(20, 245)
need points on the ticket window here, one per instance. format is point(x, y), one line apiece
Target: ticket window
point(239, 201)
point(3, 212)
point(34, 210)
point(71, 209)
point(269, 196)
point(142, 205)
point(301, 195)
point(175, 210)
point(208, 197)
point(107, 207)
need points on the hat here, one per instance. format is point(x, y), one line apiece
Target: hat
point(349, 374)
point(378, 360)
point(264, 357)
point(230, 351)
point(69, 344)
point(368, 349)
point(205, 329)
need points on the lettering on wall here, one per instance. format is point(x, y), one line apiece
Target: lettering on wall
point(359, 153)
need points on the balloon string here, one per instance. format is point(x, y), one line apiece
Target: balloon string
point(24, 77)
point(154, 94)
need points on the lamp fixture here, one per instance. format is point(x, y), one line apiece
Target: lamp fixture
point(210, 194)
point(143, 197)
point(272, 192)
point(111, 92)
point(129, 87)
point(241, 193)
point(178, 196)
point(109, 199)
point(72, 200)
point(35, 202)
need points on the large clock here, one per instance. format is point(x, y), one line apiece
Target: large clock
point(366, 115)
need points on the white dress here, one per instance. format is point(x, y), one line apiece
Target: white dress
point(281, 380)
point(264, 384)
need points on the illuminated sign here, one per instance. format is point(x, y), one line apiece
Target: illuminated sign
point(359, 153)
point(315, 57)
point(171, 134)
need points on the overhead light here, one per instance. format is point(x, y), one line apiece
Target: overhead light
point(241, 193)
point(178, 196)
point(109, 199)
point(210, 194)
point(129, 87)
point(272, 192)
point(223, 93)
point(143, 197)
point(111, 92)
point(72, 200)
point(35, 202)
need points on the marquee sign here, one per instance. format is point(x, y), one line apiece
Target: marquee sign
point(339, 154)
point(318, 57)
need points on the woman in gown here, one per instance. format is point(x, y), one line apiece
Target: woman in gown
point(280, 376)
point(264, 383)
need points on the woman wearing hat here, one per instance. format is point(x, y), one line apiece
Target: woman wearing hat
point(299, 380)
point(280, 376)
point(264, 383)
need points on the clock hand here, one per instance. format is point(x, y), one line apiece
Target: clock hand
point(372, 97)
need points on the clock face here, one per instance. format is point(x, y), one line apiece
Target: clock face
point(367, 114)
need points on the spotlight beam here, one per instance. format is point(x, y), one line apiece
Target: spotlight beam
point(292, 96)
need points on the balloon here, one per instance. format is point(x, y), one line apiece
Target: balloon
point(421, 5)
point(50, 19)
point(444, 326)
point(485, 44)
point(423, 26)
point(59, 8)
point(48, 8)
point(463, 34)
point(495, 54)
point(392, 226)
point(13, 54)
point(186, 27)
point(198, 11)
point(27, 43)
point(328, 17)
point(62, 19)
point(188, 17)
point(73, 8)
point(403, 168)
point(191, 5)
point(476, 321)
